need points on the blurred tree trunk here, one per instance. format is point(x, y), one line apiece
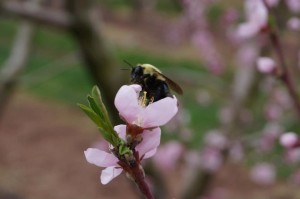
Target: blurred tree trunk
point(15, 63)
point(99, 60)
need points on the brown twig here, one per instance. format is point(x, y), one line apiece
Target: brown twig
point(15, 63)
point(39, 15)
point(284, 74)
point(136, 172)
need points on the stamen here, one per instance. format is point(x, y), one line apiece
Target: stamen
point(143, 99)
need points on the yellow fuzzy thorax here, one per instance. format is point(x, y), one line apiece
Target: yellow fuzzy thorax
point(151, 70)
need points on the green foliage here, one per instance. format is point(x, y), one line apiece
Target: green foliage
point(99, 115)
point(214, 13)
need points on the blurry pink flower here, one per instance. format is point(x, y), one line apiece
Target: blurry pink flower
point(146, 148)
point(266, 65)
point(257, 19)
point(192, 158)
point(289, 139)
point(204, 42)
point(282, 98)
point(186, 134)
point(230, 15)
point(216, 139)
point(263, 174)
point(292, 155)
point(225, 115)
point(296, 177)
point(269, 137)
point(211, 159)
point(247, 55)
point(167, 155)
point(236, 152)
point(272, 3)
point(153, 115)
point(273, 111)
point(294, 23)
point(293, 5)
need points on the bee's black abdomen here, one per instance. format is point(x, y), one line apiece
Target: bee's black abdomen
point(162, 90)
point(156, 89)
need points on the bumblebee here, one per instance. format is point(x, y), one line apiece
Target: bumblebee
point(154, 84)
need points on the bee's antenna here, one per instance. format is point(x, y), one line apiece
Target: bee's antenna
point(129, 64)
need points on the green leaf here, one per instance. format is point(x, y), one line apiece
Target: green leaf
point(98, 113)
point(95, 107)
point(123, 149)
point(92, 115)
point(96, 94)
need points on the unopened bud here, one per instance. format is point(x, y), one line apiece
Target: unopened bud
point(289, 139)
point(266, 65)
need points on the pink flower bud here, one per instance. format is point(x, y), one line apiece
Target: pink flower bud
point(272, 3)
point(257, 19)
point(289, 139)
point(294, 23)
point(263, 174)
point(293, 5)
point(266, 65)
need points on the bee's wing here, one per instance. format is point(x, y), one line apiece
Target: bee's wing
point(174, 86)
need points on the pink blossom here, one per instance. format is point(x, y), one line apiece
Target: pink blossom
point(292, 155)
point(193, 159)
point(269, 137)
point(266, 65)
point(272, 3)
point(211, 159)
point(168, 154)
point(257, 19)
point(155, 114)
point(289, 139)
point(147, 148)
point(247, 55)
point(273, 111)
point(236, 152)
point(293, 23)
point(293, 5)
point(263, 173)
point(204, 42)
point(216, 139)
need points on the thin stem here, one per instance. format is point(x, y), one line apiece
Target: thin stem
point(284, 73)
point(136, 171)
point(139, 178)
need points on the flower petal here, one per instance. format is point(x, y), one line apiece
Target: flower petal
point(150, 153)
point(109, 173)
point(151, 140)
point(126, 102)
point(121, 130)
point(159, 113)
point(100, 158)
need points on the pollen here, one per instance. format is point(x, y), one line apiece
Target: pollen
point(143, 99)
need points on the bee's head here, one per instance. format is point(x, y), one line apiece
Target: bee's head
point(136, 74)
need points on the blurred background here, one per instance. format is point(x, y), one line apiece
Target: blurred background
point(223, 143)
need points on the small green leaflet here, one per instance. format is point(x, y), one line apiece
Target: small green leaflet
point(99, 115)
